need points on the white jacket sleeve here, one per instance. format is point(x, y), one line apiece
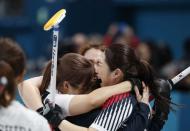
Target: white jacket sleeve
point(63, 100)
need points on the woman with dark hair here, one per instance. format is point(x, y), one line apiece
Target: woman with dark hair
point(120, 62)
point(12, 66)
point(123, 59)
point(117, 109)
point(126, 66)
point(75, 75)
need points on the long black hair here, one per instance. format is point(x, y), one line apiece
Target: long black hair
point(122, 56)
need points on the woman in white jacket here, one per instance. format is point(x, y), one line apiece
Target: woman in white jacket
point(15, 116)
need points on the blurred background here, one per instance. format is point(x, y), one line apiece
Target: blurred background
point(158, 29)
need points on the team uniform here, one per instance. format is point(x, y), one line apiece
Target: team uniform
point(123, 103)
point(119, 113)
point(139, 120)
point(18, 118)
point(110, 117)
point(114, 112)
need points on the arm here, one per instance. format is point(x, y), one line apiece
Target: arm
point(96, 98)
point(114, 115)
point(68, 126)
point(123, 107)
point(30, 93)
point(55, 118)
point(111, 121)
point(89, 101)
point(136, 122)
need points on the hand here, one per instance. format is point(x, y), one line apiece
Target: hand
point(54, 115)
point(144, 98)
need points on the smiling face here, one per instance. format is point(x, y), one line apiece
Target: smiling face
point(100, 65)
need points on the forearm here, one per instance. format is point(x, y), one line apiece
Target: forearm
point(96, 98)
point(99, 96)
point(30, 93)
point(67, 126)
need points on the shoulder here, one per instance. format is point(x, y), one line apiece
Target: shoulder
point(31, 117)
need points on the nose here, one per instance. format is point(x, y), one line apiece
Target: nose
point(96, 68)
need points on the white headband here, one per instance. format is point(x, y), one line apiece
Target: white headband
point(3, 80)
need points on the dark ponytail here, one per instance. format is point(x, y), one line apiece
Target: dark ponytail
point(7, 84)
point(145, 71)
point(46, 78)
point(123, 57)
point(159, 88)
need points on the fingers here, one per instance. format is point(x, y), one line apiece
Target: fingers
point(145, 97)
point(145, 88)
point(137, 91)
point(138, 95)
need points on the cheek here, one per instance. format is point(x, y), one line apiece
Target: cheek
point(106, 79)
point(64, 91)
point(102, 72)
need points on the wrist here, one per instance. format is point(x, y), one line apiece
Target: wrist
point(61, 125)
point(131, 85)
point(145, 107)
point(128, 86)
point(145, 102)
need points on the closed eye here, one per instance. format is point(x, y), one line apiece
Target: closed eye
point(99, 63)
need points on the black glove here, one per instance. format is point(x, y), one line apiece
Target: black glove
point(54, 115)
point(162, 109)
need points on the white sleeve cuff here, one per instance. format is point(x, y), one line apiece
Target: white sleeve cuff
point(63, 100)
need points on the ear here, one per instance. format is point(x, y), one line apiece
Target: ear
point(117, 75)
point(66, 86)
